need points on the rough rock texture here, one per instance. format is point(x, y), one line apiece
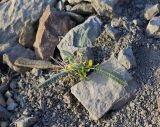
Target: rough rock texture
point(26, 122)
point(126, 58)
point(83, 8)
point(104, 6)
point(27, 35)
point(153, 27)
point(151, 11)
point(14, 15)
point(98, 94)
point(52, 25)
point(4, 114)
point(16, 52)
point(114, 33)
point(77, 1)
point(72, 41)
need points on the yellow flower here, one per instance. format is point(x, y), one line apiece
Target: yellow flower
point(69, 67)
point(90, 63)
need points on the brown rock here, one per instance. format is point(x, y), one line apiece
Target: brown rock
point(52, 25)
point(16, 52)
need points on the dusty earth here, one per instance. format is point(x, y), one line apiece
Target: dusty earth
point(55, 106)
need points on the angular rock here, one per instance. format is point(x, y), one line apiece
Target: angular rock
point(83, 8)
point(16, 52)
point(14, 15)
point(26, 122)
point(27, 35)
point(52, 25)
point(4, 114)
point(104, 6)
point(72, 41)
point(126, 58)
point(99, 94)
point(153, 27)
point(117, 22)
point(151, 11)
point(114, 33)
point(77, 1)
point(11, 105)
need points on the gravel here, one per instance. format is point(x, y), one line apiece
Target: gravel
point(55, 106)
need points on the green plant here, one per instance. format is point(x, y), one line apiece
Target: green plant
point(80, 67)
point(80, 70)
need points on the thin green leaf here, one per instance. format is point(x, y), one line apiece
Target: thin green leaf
point(84, 38)
point(67, 55)
point(53, 79)
point(112, 74)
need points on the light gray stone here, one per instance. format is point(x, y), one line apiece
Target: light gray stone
point(114, 33)
point(17, 51)
point(99, 94)
point(27, 35)
point(153, 27)
point(25, 121)
point(151, 11)
point(126, 58)
point(14, 15)
point(77, 1)
point(104, 6)
point(72, 41)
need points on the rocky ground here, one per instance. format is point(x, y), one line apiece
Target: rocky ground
point(55, 106)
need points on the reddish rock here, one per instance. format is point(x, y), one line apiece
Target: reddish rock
point(52, 25)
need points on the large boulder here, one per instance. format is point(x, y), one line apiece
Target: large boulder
point(104, 6)
point(99, 93)
point(72, 42)
point(13, 16)
point(52, 25)
point(153, 27)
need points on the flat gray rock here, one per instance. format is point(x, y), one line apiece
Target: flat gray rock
point(99, 94)
point(126, 58)
point(72, 40)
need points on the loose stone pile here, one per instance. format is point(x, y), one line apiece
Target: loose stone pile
point(35, 30)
